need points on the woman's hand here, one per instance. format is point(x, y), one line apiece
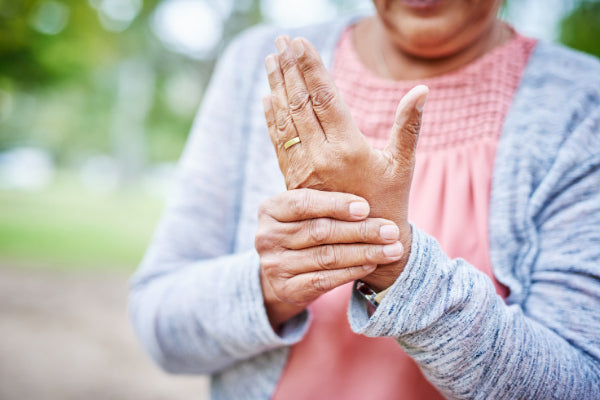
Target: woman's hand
point(311, 241)
point(333, 155)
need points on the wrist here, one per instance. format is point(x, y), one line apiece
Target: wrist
point(385, 275)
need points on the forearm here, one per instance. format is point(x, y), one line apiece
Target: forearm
point(467, 341)
point(205, 316)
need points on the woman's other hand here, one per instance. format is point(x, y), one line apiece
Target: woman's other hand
point(333, 154)
point(311, 242)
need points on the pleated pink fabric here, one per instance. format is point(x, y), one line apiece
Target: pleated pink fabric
point(449, 200)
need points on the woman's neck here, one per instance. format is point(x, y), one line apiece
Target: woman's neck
point(390, 62)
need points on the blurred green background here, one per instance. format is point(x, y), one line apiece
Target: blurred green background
point(97, 98)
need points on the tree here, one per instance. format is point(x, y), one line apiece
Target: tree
point(581, 28)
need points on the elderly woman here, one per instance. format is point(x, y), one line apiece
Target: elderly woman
point(326, 290)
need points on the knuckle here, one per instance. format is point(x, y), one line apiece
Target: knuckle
point(261, 241)
point(320, 230)
point(269, 265)
point(413, 126)
point(268, 238)
point(275, 81)
point(310, 65)
point(299, 100)
point(287, 63)
point(326, 257)
point(283, 121)
point(293, 230)
point(323, 97)
point(336, 205)
point(365, 229)
point(322, 282)
point(300, 204)
point(373, 254)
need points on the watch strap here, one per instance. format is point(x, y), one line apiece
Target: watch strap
point(369, 294)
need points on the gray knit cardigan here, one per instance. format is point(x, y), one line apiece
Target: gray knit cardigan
point(196, 300)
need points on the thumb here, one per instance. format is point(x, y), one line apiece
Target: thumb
point(405, 132)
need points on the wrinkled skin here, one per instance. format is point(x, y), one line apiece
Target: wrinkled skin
point(333, 155)
point(401, 42)
point(312, 241)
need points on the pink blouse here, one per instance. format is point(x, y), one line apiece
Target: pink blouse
point(449, 199)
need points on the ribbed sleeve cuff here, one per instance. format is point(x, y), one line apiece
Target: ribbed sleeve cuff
point(408, 298)
point(252, 315)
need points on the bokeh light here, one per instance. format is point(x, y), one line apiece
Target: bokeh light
point(191, 27)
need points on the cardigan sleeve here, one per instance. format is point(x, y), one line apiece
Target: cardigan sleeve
point(195, 303)
point(472, 345)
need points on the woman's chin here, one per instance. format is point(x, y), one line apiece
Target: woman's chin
point(430, 43)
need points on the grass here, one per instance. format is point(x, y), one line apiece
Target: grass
point(65, 227)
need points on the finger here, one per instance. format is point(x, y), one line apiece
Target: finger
point(270, 118)
point(319, 282)
point(407, 124)
point(327, 103)
point(283, 120)
point(338, 256)
point(319, 231)
point(300, 106)
point(302, 204)
point(282, 155)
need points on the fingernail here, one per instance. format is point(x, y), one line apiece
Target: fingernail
point(421, 102)
point(280, 44)
point(298, 47)
point(270, 64)
point(359, 209)
point(369, 267)
point(389, 232)
point(393, 250)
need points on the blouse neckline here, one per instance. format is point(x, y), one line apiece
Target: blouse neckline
point(474, 68)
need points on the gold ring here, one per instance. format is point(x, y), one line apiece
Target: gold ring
point(291, 142)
